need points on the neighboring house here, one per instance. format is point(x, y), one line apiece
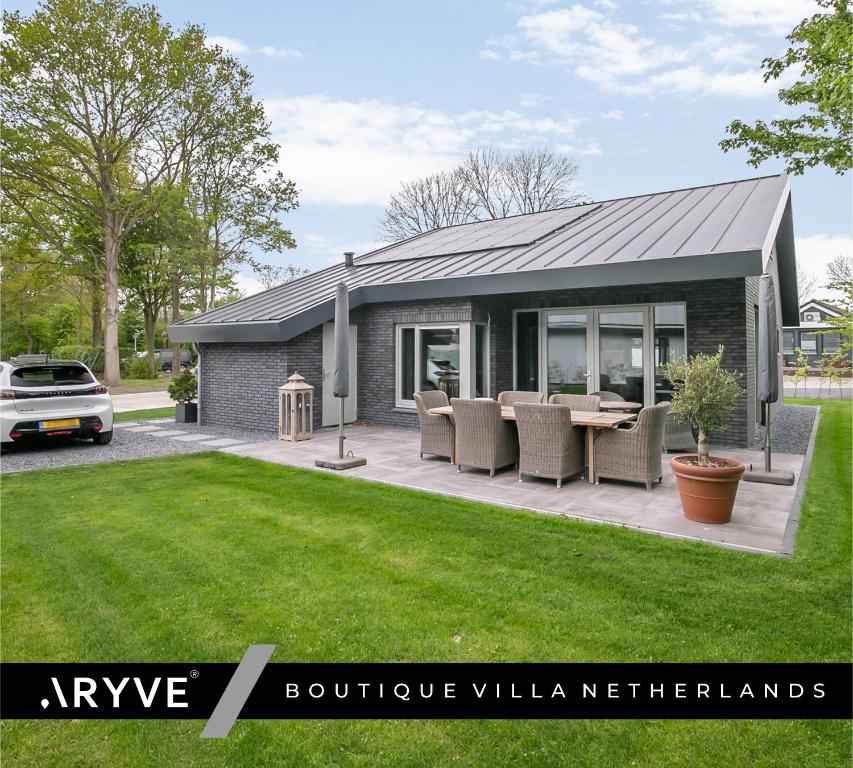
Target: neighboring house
point(590, 297)
point(813, 317)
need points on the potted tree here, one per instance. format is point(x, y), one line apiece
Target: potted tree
point(183, 391)
point(705, 395)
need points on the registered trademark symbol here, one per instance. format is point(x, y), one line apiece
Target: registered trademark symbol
point(194, 673)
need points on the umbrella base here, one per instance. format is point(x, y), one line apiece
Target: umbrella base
point(774, 476)
point(348, 462)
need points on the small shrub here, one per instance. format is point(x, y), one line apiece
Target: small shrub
point(183, 388)
point(137, 368)
point(705, 395)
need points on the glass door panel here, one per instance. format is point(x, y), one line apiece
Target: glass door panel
point(621, 353)
point(567, 356)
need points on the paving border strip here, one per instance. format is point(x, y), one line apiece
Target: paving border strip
point(790, 535)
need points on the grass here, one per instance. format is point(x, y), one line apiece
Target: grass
point(146, 413)
point(200, 555)
point(160, 383)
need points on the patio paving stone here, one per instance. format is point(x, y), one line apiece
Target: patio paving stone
point(758, 523)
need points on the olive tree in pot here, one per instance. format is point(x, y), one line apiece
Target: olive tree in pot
point(183, 390)
point(705, 395)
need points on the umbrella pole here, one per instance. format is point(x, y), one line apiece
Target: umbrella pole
point(766, 407)
point(341, 437)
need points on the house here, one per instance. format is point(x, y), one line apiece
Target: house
point(590, 297)
point(813, 317)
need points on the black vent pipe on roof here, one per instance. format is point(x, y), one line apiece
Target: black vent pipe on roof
point(348, 257)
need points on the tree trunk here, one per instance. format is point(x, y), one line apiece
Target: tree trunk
point(150, 317)
point(702, 444)
point(112, 373)
point(26, 329)
point(176, 316)
point(97, 327)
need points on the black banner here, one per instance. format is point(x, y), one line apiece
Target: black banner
point(431, 691)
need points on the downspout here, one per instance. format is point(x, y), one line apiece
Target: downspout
point(198, 380)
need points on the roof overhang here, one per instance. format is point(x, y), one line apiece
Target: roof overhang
point(665, 270)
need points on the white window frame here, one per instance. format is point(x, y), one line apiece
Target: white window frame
point(593, 311)
point(487, 372)
point(466, 347)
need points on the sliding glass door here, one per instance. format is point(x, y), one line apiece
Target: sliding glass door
point(567, 352)
point(622, 352)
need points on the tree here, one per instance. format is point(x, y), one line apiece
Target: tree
point(103, 103)
point(270, 275)
point(821, 55)
point(806, 283)
point(488, 184)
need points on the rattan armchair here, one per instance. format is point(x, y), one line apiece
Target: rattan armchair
point(438, 435)
point(633, 454)
point(577, 402)
point(611, 396)
point(548, 445)
point(511, 397)
point(677, 435)
point(483, 438)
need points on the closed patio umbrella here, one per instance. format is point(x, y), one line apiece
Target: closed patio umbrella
point(341, 379)
point(767, 380)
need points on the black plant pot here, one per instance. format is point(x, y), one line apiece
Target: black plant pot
point(186, 413)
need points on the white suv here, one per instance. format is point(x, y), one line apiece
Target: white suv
point(43, 398)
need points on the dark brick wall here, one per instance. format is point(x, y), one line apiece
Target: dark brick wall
point(239, 381)
point(376, 351)
point(716, 314)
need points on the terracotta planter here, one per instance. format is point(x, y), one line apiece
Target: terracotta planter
point(707, 493)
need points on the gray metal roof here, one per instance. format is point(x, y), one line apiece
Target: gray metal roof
point(720, 230)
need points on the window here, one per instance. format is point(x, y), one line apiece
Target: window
point(670, 333)
point(788, 342)
point(433, 357)
point(481, 360)
point(831, 342)
point(527, 351)
point(49, 376)
point(808, 343)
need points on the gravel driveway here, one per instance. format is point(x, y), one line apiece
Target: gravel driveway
point(131, 440)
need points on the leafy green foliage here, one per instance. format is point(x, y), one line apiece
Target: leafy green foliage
point(705, 394)
point(138, 368)
point(822, 56)
point(184, 387)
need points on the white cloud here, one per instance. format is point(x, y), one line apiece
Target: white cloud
point(280, 53)
point(613, 114)
point(621, 58)
point(774, 17)
point(248, 286)
point(358, 152)
point(331, 249)
point(227, 44)
point(233, 45)
point(814, 252)
point(529, 100)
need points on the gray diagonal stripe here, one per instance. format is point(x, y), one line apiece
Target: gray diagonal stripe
point(235, 694)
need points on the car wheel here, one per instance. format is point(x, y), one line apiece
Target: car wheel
point(102, 438)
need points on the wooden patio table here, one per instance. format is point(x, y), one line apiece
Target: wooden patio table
point(592, 420)
point(619, 405)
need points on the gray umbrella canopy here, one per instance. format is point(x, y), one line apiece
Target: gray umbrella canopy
point(342, 341)
point(768, 342)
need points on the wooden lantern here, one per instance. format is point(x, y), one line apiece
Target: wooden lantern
point(295, 409)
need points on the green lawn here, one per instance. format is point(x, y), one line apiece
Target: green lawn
point(146, 413)
point(195, 557)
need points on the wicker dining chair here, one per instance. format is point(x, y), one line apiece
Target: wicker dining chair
point(577, 402)
point(633, 454)
point(548, 445)
point(483, 438)
point(611, 396)
point(511, 397)
point(438, 435)
point(677, 434)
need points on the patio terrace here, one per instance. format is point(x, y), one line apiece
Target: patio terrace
point(764, 517)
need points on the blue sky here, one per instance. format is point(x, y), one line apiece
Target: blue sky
point(365, 95)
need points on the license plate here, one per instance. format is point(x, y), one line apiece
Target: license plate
point(59, 424)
